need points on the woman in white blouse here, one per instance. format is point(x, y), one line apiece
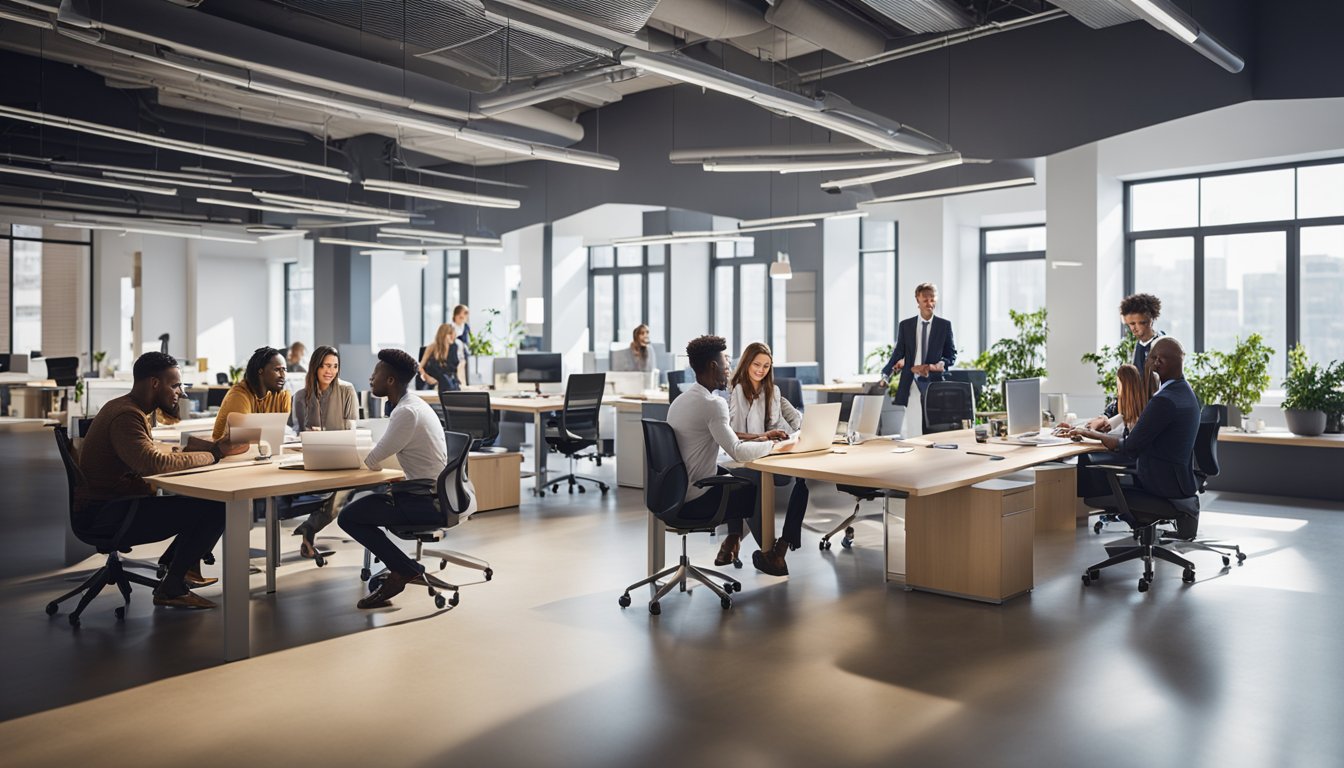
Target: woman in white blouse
point(756, 411)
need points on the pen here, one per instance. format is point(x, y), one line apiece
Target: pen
point(992, 456)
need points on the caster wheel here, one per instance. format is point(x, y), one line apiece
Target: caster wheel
point(847, 543)
point(443, 564)
point(655, 608)
point(364, 574)
point(74, 622)
point(726, 602)
point(1143, 585)
point(555, 488)
point(52, 608)
point(454, 600)
point(1241, 558)
point(737, 586)
point(603, 489)
point(439, 602)
point(582, 489)
point(728, 587)
point(1086, 580)
point(489, 574)
point(737, 563)
point(209, 559)
point(1094, 574)
point(120, 613)
point(1227, 560)
point(1188, 576)
point(320, 560)
point(542, 494)
point(794, 547)
point(1096, 527)
point(824, 545)
point(624, 600)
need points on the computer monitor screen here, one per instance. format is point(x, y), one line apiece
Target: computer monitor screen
point(540, 368)
point(1024, 405)
point(214, 397)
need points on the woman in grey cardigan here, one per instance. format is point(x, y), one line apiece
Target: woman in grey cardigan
point(325, 402)
point(756, 411)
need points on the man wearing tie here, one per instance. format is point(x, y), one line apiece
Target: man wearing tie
point(924, 348)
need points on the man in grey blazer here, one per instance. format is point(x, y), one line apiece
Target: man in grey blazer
point(924, 348)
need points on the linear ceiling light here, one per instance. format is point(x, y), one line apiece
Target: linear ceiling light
point(370, 244)
point(421, 233)
point(771, 227)
point(326, 205)
point(710, 236)
point(161, 142)
point(803, 217)
point(946, 161)
point(442, 195)
point(40, 22)
point(830, 112)
point(39, 173)
point(945, 191)
point(122, 229)
point(281, 235)
point(1171, 19)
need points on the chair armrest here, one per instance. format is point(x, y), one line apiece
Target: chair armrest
point(1119, 469)
point(724, 480)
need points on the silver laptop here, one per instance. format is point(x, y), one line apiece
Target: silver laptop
point(328, 450)
point(1023, 398)
point(819, 423)
point(865, 414)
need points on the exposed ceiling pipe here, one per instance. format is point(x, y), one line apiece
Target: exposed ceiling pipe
point(559, 26)
point(1168, 17)
point(714, 19)
point(551, 88)
point(768, 150)
point(923, 15)
point(829, 26)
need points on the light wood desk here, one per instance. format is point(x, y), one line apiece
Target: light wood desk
point(838, 388)
point(237, 486)
point(953, 528)
point(1280, 437)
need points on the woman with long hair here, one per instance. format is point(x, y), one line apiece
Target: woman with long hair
point(640, 349)
point(1133, 390)
point(325, 402)
point(756, 411)
point(439, 365)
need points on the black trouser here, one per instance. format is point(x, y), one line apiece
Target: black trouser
point(1092, 483)
point(793, 518)
point(363, 517)
point(741, 506)
point(196, 524)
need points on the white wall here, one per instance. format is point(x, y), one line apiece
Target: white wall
point(232, 317)
point(689, 285)
point(839, 308)
point(395, 301)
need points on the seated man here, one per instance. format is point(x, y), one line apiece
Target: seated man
point(1162, 442)
point(262, 390)
point(415, 434)
point(700, 420)
point(118, 452)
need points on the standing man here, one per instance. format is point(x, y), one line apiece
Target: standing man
point(924, 348)
point(295, 358)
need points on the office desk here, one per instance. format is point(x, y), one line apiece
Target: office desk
point(838, 388)
point(1279, 463)
point(945, 513)
point(17, 424)
point(1280, 437)
point(630, 436)
point(237, 487)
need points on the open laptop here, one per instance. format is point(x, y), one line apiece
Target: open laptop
point(865, 415)
point(819, 423)
point(1023, 398)
point(328, 450)
point(252, 427)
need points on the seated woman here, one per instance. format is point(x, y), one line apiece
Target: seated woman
point(1132, 392)
point(325, 402)
point(756, 411)
point(439, 366)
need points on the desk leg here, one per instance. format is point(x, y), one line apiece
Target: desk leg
point(272, 544)
point(538, 454)
point(767, 494)
point(237, 523)
point(657, 545)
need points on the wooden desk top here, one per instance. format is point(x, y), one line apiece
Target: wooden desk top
point(250, 481)
point(923, 471)
point(1280, 437)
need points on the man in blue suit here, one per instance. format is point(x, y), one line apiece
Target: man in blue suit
point(924, 349)
point(1162, 442)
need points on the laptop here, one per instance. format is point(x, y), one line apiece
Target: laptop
point(865, 414)
point(254, 427)
point(1023, 397)
point(327, 450)
point(819, 423)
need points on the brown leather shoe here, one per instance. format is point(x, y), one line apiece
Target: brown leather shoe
point(772, 563)
point(187, 599)
point(195, 580)
point(390, 587)
point(732, 544)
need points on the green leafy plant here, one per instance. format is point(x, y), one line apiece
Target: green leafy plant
point(236, 374)
point(79, 389)
point(1108, 360)
point(873, 361)
point(99, 357)
point(486, 342)
point(1020, 356)
point(1236, 379)
point(1309, 387)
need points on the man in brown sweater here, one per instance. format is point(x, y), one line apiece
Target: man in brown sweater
point(118, 452)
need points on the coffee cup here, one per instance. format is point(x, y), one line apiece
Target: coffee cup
point(982, 433)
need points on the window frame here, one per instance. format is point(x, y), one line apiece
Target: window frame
point(7, 234)
point(986, 259)
point(735, 261)
point(289, 335)
point(643, 269)
point(1292, 229)
point(895, 251)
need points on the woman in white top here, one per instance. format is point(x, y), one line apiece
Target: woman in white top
point(756, 411)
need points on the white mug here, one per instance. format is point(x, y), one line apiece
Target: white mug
point(263, 449)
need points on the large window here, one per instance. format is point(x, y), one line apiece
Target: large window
point(39, 268)
point(627, 287)
point(744, 296)
point(878, 306)
point(1012, 276)
point(299, 303)
point(1240, 252)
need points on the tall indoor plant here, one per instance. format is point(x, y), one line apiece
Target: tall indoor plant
point(486, 342)
point(1234, 380)
point(1020, 356)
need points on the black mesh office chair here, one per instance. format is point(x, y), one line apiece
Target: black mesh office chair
point(791, 390)
point(112, 571)
point(221, 378)
point(1147, 511)
point(675, 379)
point(577, 427)
point(470, 412)
point(453, 501)
point(664, 495)
point(1206, 466)
point(947, 404)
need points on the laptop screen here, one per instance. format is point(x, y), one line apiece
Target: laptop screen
point(1024, 405)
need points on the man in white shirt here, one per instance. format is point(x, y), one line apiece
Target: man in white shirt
point(700, 420)
point(415, 434)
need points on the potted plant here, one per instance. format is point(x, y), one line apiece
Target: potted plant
point(486, 343)
point(1232, 381)
point(1021, 356)
point(1307, 393)
point(1108, 360)
point(235, 374)
point(98, 358)
point(1334, 407)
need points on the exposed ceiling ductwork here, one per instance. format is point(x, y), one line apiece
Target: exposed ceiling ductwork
point(829, 26)
point(923, 15)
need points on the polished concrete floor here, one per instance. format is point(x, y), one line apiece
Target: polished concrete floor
point(829, 667)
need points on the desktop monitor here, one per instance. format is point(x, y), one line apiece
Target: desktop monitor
point(214, 397)
point(540, 368)
point(63, 370)
point(1023, 397)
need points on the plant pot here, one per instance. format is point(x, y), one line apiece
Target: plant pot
point(1305, 423)
point(1334, 423)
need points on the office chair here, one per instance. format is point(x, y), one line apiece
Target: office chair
point(664, 496)
point(1206, 466)
point(455, 503)
point(1147, 510)
point(221, 378)
point(112, 571)
point(577, 427)
point(674, 382)
point(791, 390)
point(470, 412)
point(947, 404)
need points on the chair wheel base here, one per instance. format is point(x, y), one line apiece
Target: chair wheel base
point(489, 573)
point(1143, 584)
point(1188, 575)
point(364, 574)
point(120, 613)
point(624, 600)
point(52, 608)
point(655, 608)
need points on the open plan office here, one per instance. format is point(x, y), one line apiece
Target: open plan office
point(671, 382)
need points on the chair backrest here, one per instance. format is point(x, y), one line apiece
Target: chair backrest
point(664, 472)
point(674, 382)
point(791, 390)
point(947, 404)
point(63, 370)
point(583, 398)
point(67, 451)
point(451, 492)
point(221, 378)
point(469, 412)
point(1206, 446)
